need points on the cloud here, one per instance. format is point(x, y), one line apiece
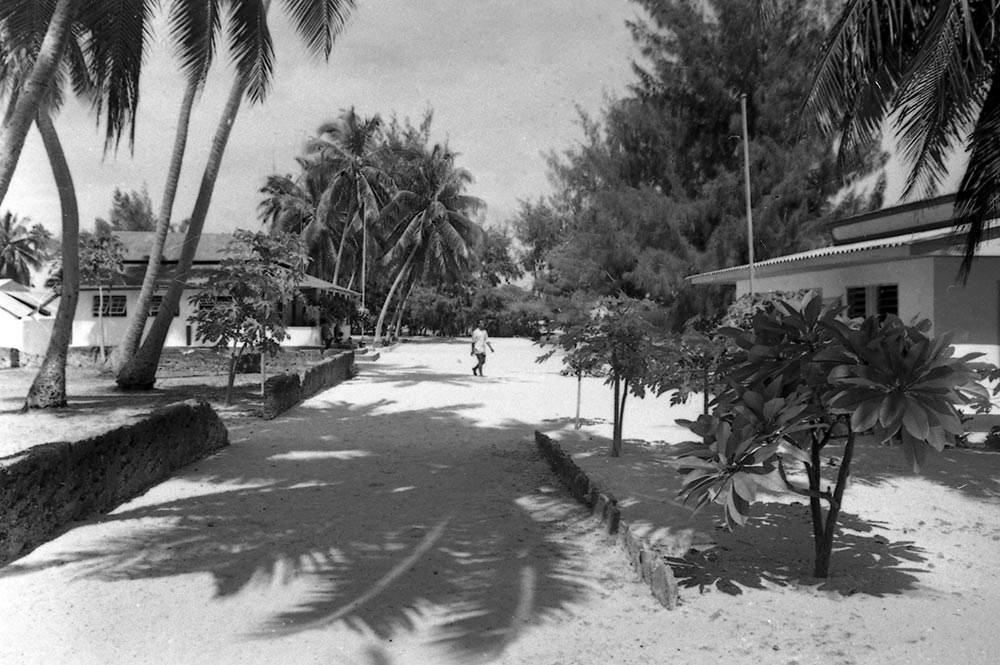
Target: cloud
point(502, 76)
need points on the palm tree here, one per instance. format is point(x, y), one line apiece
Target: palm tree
point(290, 206)
point(352, 146)
point(48, 389)
point(21, 250)
point(17, 59)
point(932, 68)
point(49, 30)
point(431, 227)
point(194, 26)
point(318, 22)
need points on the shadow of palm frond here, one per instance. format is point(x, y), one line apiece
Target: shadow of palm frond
point(380, 531)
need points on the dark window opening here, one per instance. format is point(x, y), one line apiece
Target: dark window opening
point(864, 301)
point(888, 300)
point(856, 302)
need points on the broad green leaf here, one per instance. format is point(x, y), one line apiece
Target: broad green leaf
point(745, 487)
point(915, 419)
point(892, 409)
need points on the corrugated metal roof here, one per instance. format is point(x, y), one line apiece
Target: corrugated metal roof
point(21, 304)
point(903, 240)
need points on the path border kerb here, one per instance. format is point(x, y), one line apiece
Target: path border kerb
point(651, 567)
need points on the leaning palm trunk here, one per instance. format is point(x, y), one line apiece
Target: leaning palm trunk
point(392, 291)
point(29, 97)
point(139, 373)
point(137, 324)
point(397, 324)
point(49, 387)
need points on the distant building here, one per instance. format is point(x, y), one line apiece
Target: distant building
point(902, 260)
point(25, 318)
point(28, 333)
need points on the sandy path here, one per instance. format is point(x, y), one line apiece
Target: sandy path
point(404, 517)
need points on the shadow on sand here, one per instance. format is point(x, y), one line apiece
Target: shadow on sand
point(382, 529)
point(776, 548)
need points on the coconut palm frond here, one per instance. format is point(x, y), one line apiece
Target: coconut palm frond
point(938, 94)
point(250, 43)
point(320, 23)
point(193, 27)
point(978, 198)
point(119, 33)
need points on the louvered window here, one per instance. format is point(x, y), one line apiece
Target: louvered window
point(857, 302)
point(888, 299)
point(108, 306)
point(878, 300)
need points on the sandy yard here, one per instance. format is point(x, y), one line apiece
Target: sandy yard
point(404, 517)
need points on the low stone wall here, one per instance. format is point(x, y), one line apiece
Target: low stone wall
point(284, 391)
point(50, 485)
point(281, 393)
point(653, 569)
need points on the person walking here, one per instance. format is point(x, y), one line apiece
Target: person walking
point(480, 342)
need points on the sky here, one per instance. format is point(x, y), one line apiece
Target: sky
point(503, 77)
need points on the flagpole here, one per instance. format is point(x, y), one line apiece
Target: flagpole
point(746, 182)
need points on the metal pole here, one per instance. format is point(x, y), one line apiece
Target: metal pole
point(746, 178)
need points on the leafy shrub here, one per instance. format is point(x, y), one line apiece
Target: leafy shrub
point(802, 378)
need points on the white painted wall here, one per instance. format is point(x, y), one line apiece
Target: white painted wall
point(915, 278)
point(86, 329)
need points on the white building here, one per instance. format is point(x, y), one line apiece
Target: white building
point(25, 317)
point(902, 260)
point(30, 334)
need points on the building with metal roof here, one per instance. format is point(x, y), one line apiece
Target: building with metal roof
point(902, 260)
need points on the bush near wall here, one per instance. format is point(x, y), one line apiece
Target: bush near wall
point(51, 485)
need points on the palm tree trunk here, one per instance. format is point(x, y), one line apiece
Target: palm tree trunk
point(28, 99)
point(398, 324)
point(340, 249)
point(392, 290)
point(49, 387)
point(139, 373)
point(137, 324)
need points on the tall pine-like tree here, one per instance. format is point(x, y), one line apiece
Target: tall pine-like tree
point(655, 191)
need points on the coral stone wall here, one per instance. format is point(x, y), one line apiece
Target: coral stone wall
point(284, 391)
point(50, 485)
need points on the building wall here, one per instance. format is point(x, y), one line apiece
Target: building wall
point(970, 311)
point(914, 276)
point(86, 326)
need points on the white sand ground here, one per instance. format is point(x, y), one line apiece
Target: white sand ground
point(404, 517)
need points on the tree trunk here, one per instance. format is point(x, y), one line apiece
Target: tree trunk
point(348, 223)
point(579, 395)
point(397, 325)
point(139, 373)
point(392, 290)
point(616, 432)
point(825, 547)
point(263, 376)
point(705, 387)
point(137, 324)
point(100, 320)
point(49, 386)
point(29, 97)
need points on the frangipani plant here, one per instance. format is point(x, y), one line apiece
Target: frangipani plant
point(802, 378)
